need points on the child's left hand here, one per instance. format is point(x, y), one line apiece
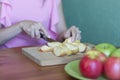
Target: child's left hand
point(72, 32)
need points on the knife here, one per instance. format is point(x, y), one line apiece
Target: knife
point(46, 38)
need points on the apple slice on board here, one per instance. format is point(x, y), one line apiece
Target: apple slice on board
point(46, 48)
point(65, 48)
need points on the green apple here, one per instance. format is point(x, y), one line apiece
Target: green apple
point(105, 48)
point(116, 53)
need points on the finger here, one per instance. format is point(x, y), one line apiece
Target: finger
point(42, 28)
point(67, 34)
point(37, 32)
point(28, 31)
point(74, 33)
point(32, 31)
point(78, 34)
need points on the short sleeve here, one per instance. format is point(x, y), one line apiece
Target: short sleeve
point(5, 12)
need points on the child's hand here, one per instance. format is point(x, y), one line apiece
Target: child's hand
point(73, 32)
point(33, 28)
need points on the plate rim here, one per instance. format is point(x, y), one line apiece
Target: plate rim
point(70, 73)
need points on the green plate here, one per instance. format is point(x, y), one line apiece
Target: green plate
point(72, 69)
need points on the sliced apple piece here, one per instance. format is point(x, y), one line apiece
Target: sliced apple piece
point(54, 44)
point(46, 48)
point(68, 40)
point(59, 51)
point(82, 47)
point(76, 41)
point(67, 50)
point(72, 47)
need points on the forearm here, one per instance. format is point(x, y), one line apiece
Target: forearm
point(8, 33)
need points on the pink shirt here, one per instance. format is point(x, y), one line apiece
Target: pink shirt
point(44, 11)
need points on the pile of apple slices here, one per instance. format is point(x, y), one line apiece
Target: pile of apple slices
point(65, 48)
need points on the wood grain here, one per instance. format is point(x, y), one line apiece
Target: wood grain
point(15, 66)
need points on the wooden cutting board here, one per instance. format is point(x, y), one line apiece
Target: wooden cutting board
point(48, 58)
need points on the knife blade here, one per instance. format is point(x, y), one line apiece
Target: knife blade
point(46, 38)
point(50, 39)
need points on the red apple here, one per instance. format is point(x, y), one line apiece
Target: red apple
point(91, 65)
point(112, 68)
point(97, 54)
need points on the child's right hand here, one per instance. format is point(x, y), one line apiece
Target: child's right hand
point(33, 28)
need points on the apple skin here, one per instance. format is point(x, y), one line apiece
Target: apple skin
point(112, 68)
point(91, 64)
point(90, 68)
point(116, 53)
point(96, 54)
point(105, 48)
